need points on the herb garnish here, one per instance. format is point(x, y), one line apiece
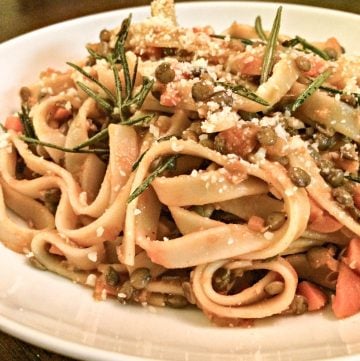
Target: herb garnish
point(26, 122)
point(271, 48)
point(259, 29)
point(306, 46)
point(341, 92)
point(312, 87)
point(244, 92)
point(353, 178)
point(167, 164)
point(231, 37)
point(67, 150)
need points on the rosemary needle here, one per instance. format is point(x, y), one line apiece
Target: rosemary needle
point(271, 48)
point(167, 164)
point(259, 29)
point(244, 92)
point(67, 150)
point(312, 87)
point(223, 37)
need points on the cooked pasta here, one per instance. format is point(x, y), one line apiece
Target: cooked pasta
point(180, 167)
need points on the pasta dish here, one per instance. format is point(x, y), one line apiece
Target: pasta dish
point(182, 167)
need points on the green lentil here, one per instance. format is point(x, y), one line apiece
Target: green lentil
point(176, 301)
point(331, 52)
point(275, 220)
point(105, 35)
point(202, 91)
point(140, 278)
point(343, 197)
point(164, 73)
point(335, 177)
point(266, 136)
point(303, 63)
point(299, 177)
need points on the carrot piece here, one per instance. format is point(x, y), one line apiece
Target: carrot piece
point(325, 224)
point(352, 255)
point(13, 122)
point(346, 301)
point(316, 298)
point(55, 250)
point(256, 223)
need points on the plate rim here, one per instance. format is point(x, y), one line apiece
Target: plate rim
point(79, 350)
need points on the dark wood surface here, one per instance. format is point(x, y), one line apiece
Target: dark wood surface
point(20, 16)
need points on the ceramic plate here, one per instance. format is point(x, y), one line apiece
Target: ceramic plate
point(53, 313)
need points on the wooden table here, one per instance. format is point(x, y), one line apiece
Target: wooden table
point(20, 16)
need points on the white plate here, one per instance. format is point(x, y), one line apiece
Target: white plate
point(51, 312)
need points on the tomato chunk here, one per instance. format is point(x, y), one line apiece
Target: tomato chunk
point(352, 255)
point(316, 298)
point(347, 297)
point(13, 122)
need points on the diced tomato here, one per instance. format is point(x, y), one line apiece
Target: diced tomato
point(55, 250)
point(62, 114)
point(240, 141)
point(325, 224)
point(317, 66)
point(256, 223)
point(316, 298)
point(170, 98)
point(13, 122)
point(248, 64)
point(352, 255)
point(346, 301)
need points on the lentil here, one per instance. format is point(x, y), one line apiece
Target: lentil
point(275, 220)
point(266, 136)
point(105, 35)
point(176, 301)
point(331, 52)
point(303, 63)
point(343, 197)
point(164, 74)
point(299, 177)
point(201, 91)
point(25, 94)
point(335, 177)
point(140, 278)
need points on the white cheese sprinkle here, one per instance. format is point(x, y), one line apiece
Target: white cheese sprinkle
point(92, 256)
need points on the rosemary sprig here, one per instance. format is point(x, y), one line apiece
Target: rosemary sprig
point(311, 88)
point(243, 40)
point(341, 92)
point(244, 92)
point(101, 101)
point(68, 150)
point(353, 178)
point(24, 116)
point(139, 98)
point(306, 46)
point(104, 133)
point(138, 161)
point(168, 164)
point(259, 29)
point(271, 48)
point(91, 78)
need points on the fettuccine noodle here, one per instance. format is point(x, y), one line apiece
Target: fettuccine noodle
point(178, 167)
